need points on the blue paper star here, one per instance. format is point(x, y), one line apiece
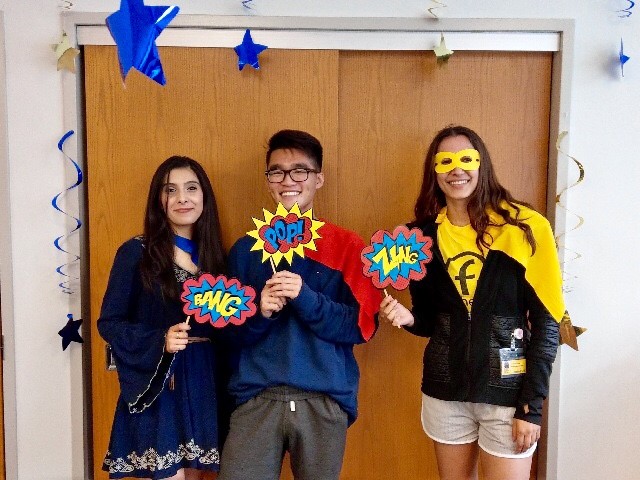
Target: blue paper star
point(69, 332)
point(135, 28)
point(623, 58)
point(248, 51)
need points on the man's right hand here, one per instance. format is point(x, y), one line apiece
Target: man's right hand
point(271, 300)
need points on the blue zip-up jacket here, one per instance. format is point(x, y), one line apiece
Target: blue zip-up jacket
point(309, 344)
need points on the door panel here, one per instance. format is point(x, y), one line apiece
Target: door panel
point(215, 114)
point(374, 112)
point(391, 106)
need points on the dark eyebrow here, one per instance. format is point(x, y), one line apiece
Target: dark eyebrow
point(186, 183)
point(293, 167)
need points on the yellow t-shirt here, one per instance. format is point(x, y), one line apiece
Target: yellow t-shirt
point(462, 257)
point(542, 270)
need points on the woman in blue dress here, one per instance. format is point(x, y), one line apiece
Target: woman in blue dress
point(166, 423)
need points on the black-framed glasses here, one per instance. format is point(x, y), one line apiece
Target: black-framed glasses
point(296, 174)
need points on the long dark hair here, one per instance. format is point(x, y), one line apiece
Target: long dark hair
point(489, 194)
point(157, 259)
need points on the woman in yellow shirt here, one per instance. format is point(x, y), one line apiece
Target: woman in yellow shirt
point(490, 303)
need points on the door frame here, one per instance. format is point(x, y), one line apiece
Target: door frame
point(6, 282)
point(359, 33)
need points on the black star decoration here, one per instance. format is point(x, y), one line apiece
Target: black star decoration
point(69, 332)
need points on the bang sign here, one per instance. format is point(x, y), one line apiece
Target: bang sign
point(396, 258)
point(218, 300)
point(284, 233)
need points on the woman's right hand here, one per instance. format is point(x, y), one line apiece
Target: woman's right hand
point(177, 337)
point(395, 313)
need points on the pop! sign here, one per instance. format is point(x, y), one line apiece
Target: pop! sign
point(284, 233)
point(218, 300)
point(396, 258)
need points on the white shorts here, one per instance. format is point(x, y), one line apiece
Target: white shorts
point(457, 423)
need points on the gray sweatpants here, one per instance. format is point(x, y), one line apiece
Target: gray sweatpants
point(310, 426)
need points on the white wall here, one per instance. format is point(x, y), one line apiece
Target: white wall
point(599, 384)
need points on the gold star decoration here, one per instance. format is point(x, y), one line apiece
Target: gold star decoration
point(569, 333)
point(441, 51)
point(66, 54)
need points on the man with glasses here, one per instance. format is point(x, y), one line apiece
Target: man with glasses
point(296, 379)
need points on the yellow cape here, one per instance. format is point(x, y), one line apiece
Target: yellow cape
point(542, 269)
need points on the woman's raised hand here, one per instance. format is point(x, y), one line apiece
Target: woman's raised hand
point(395, 313)
point(177, 337)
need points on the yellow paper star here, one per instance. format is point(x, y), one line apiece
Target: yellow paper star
point(66, 54)
point(569, 333)
point(441, 51)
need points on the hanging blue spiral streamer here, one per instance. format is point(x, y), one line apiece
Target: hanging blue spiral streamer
point(626, 12)
point(247, 4)
point(65, 285)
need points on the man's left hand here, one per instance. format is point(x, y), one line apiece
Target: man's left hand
point(286, 284)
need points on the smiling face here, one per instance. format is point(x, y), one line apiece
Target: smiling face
point(182, 200)
point(458, 184)
point(289, 192)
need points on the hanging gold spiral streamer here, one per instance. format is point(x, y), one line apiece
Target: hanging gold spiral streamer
point(568, 332)
point(439, 5)
point(580, 220)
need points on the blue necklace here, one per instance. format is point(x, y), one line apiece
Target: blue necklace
point(188, 246)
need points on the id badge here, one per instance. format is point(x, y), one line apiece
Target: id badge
point(512, 362)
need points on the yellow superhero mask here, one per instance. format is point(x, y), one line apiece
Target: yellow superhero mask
point(468, 159)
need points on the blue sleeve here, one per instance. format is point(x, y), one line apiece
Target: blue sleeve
point(330, 320)
point(345, 312)
point(137, 345)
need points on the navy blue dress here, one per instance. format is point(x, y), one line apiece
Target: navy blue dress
point(167, 414)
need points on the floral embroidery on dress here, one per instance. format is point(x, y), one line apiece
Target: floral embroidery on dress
point(118, 465)
point(212, 457)
point(190, 451)
point(182, 274)
point(151, 461)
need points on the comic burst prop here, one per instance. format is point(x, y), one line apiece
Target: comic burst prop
point(135, 28)
point(248, 51)
point(396, 258)
point(284, 233)
point(218, 300)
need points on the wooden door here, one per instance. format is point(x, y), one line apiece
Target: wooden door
point(220, 117)
point(391, 106)
point(375, 113)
